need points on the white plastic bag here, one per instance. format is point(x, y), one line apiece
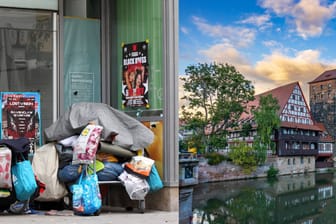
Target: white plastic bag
point(45, 166)
point(137, 188)
point(86, 145)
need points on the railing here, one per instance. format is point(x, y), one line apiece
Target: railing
point(232, 139)
point(306, 138)
point(297, 152)
point(325, 151)
point(187, 156)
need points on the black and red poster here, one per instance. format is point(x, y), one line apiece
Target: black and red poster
point(135, 74)
point(20, 113)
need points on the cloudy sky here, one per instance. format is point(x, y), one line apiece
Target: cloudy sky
point(271, 42)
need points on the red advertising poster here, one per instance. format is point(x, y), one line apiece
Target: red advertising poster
point(20, 115)
point(135, 74)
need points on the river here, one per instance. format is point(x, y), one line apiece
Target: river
point(306, 198)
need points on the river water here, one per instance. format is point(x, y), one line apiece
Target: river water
point(307, 199)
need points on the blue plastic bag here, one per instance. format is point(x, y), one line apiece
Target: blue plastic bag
point(154, 180)
point(23, 180)
point(86, 197)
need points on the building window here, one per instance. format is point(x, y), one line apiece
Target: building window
point(302, 161)
point(27, 51)
point(288, 162)
point(308, 160)
point(293, 161)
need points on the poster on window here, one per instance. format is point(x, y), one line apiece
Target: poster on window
point(135, 74)
point(20, 116)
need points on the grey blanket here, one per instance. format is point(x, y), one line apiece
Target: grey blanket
point(119, 128)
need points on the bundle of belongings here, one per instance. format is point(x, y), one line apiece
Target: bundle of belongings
point(18, 183)
point(96, 138)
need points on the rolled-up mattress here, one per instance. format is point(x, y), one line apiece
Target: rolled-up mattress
point(116, 150)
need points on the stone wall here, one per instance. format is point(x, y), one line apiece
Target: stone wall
point(229, 171)
point(293, 164)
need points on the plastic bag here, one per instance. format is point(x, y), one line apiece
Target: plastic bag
point(45, 165)
point(85, 148)
point(23, 180)
point(86, 197)
point(154, 180)
point(5, 168)
point(137, 188)
point(140, 166)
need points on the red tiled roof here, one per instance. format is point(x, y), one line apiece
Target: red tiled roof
point(300, 126)
point(327, 75)
point(283, 94)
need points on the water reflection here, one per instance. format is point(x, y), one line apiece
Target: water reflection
point(307, 198)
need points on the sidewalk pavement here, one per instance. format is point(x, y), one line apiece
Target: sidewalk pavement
point(106, 217)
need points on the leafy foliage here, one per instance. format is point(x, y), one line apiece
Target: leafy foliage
point(267, 119)
point(272, 172)
point(216, 96)
point(244, 156)
point(215, 158)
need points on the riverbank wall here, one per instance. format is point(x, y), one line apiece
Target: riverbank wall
point(226, 171)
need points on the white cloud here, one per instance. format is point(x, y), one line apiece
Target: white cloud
point(308, 16)
point(311, 17)
point(184, 30)
point(282, 7)
point(260, 21)
point(223, 53)
point(275, 69)
point(280, 69)
point(239, 36)
point(272, 44)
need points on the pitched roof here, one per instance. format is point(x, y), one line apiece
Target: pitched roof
point(327, 75)
point(282, 94)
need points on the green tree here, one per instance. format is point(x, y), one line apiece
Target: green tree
point(244, 156)
point(216, 95)
point(267, 120)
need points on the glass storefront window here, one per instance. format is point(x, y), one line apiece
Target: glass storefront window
point(82, 54)
point(27, 55)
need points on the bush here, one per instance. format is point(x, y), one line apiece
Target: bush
point(215, 158)
point(244, 156)
point(272, 172)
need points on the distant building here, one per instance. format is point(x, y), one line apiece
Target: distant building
point(324, 158)
point(322, 93)
point(298, 137)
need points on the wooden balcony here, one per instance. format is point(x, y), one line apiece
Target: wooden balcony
point(302, 138)
point(297, 152)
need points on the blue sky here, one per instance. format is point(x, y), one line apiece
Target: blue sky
point(271, 42)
